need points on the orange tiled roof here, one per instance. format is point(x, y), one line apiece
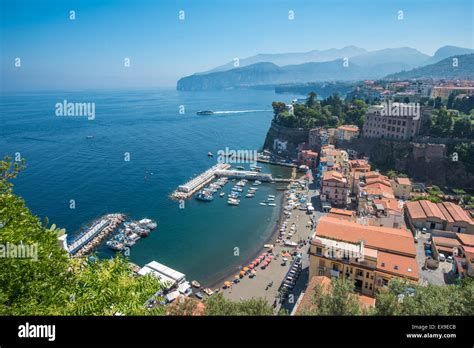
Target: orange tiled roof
point(403, 181)
point(378, 189)
point(380, 238)
point(444, 211)
point(333, 175)
point(466, 239)
point(348, 128)
point(388, 203)
point(399, 265)
point(444, 241)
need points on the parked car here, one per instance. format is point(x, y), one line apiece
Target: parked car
point(442, 257)
point(449, 259)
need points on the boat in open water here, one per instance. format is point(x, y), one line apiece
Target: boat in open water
point(205, 112)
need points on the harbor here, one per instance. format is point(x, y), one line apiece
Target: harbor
point(95, 234)
point(222, 170)
point(107, 226)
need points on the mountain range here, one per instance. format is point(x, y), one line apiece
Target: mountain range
point(346, 64)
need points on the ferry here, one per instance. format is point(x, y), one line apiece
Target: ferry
point(205, 112)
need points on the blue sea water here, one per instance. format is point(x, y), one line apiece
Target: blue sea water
point(73, 158)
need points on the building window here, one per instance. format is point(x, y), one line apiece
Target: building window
point(321, 273)
point(319, 251)
point(367, 274)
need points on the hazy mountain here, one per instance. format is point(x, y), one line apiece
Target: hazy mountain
point(271, 74)
point(448, 51)
point(282, 59)
point(362, 65)
point(402, 56)
point(443, 69)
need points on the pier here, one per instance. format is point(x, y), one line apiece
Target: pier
point(187, 190)
point(95, 234)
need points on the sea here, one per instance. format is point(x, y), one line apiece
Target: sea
point(139, 146)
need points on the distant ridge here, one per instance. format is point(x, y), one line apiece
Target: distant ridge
point(441, 69)
point(362, 64)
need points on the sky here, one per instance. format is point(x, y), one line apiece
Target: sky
point(89, 52)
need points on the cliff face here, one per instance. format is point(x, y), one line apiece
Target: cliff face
point(283, 140)
point(425, 163)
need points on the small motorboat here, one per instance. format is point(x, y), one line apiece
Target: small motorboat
point(263, 203)
point(222, 194)
point(199, 295)
point(210, 155)
point(196, 284)
point(205, 112)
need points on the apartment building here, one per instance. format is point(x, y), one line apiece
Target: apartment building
point(368, 255)
point(347, 132)
point(380, 122)
point(334, 188)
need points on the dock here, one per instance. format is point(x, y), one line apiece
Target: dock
point(186, 190)
point(95, 234)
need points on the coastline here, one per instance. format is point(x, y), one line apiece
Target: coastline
point(272, 237)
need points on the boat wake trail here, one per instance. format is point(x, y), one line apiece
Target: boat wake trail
point(238, 111)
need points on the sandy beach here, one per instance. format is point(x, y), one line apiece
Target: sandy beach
point(275, 272)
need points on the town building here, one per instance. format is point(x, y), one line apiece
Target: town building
point(368, 255)
point(308, 158)
point(346, 132)
point(334, 188)
point(381, 121)
point(401, 187)
point(444, 216)
point(444, 91)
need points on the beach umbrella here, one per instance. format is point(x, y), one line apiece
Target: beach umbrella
point(245, 269)
point(242, 273)
point(256, 261)
point(251, 266)
point(236, 276)
point(254, 272)
point(227, 284)
point(270, 257)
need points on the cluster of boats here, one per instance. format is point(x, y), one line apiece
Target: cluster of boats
point(207, 194)
point(270, 201)
point(130, 233)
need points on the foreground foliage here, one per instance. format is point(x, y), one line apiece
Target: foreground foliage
point(53, 284)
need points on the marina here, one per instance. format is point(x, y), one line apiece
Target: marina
point(94, 235)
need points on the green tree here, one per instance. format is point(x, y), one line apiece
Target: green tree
point(311, 100)
point(336, 299)
point(218, 305)
point(463, 128)
point(49, 283)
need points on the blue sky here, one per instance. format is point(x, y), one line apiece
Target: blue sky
point(89, 52)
